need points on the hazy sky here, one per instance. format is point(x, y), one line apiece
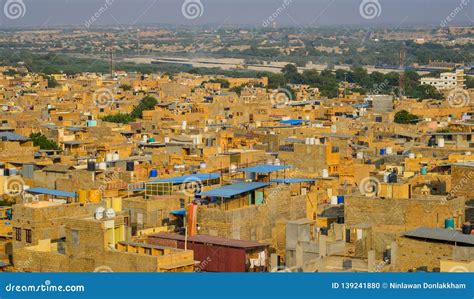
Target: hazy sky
point(44, 13)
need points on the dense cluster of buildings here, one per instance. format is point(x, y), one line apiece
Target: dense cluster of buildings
point(214, 180)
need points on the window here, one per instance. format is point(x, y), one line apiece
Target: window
point(28, 236)
point(17, 234)
point(75, 237)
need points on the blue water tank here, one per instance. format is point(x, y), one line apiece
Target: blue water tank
point(449, 223)
point(424, 170)
point(383, 152)
point(340, 200)
point(153, 173)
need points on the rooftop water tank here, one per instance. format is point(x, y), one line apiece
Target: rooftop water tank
point(325, 173)
point(153, 173)
point(449, 223)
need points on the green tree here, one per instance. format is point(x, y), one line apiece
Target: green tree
point(43, 142)
point(405, 117)
point(125, 87)
point(292, 75)
point(147, 103)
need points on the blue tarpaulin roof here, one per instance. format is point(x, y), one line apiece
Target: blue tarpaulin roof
point(235, 189)
point(52, 192)
point(293, 122)
point(264, 168)
point(189, 178)
point(292, 180)
point(181, 212)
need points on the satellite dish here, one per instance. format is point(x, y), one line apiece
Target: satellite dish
point(109, 213)
point(29, 198)
point(99, 213)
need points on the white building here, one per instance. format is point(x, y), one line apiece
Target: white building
point(446, 81)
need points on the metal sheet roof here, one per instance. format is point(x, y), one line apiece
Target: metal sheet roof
point(189, 178)
point(263, 168)
point(51, 192)
point(292, 180)
point(440, 234)
point(206, 239)
point(10, 136)
point(235, 189)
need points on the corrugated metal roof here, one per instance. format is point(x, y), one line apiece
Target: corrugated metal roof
point(51, 192)
point(10, 136)
point(235, 189)
point(440, 234)
point(211, 240)
point(292, 180)
point(263, 168)
point(189, 178)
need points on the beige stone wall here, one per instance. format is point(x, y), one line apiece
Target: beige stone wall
point(46, 223)
point(254, 222)
point(310, 158)
point(389, 218)
point(153, 211)
point(37, 261)
point(413, 253)
point(462, 180)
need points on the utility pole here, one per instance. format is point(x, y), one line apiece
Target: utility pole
point(112, 64)
point(401, 87)
point(138, 42)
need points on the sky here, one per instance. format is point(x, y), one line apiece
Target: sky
point(220, 13)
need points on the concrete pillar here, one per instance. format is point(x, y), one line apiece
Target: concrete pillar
point(393, 254)
point(339, 230)
point(274, 262)
point(299, 255)
point(371, 262)
point(323, 250)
